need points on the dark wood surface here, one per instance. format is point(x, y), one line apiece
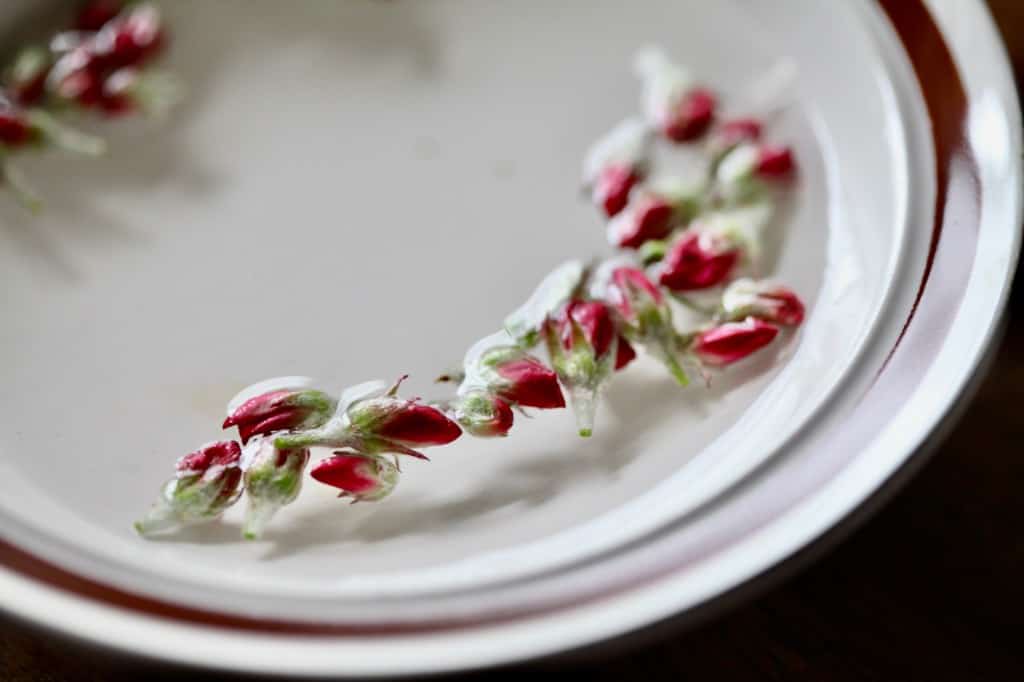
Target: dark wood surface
point(931, 588)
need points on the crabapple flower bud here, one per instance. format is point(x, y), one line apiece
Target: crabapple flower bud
point(364, 478)
point(25, 81)
point(671, 102)
point(206, 483)
point(372, 419)
point(482, 414)
point(96, 13)
point(646, 316)
point(698, 260)
point(649, 217)
point(129, 39)
point(524, 325)
point(730, 342)
point(516, 376)
point(278, 408)
point(615, 163)
point(764, 300)
point(583, 343)
point(731, 133)
point(273, 479)
point(739, 170)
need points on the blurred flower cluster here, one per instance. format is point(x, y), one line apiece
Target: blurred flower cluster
point(102, 62)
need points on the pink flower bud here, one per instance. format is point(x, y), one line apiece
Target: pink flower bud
point(95, 14)
point(364, 478)
point(615, 163)
point(746, 161)
point(732, 133)
point(774, 161)
point(371, 419)
point(206, 483)
point(624, 354)
point(281, 410)
point(583, 343)
point(26, 81)
point(698, 261)
point(612, 188)
point(649, 217)
point(647, 317)
point(589, 322)
point(15, 130)
point(520, 378)
point(632, 294)
point(727, 343)
point(764, 300)
point(273, 479)
point(483, 415)
point(220, 454)
point(129, 39)
point(691, 116)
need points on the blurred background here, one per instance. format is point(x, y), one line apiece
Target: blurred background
point(929, 588)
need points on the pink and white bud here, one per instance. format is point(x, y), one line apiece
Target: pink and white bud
point(732, 341)
point(647, 218)
point(672, 103)
point(582, 341)
point(273, 479)
point(646, 316)
point(206, 483)
point(482, 414)
point(697, 260)
point(284, 404)
point(372, 419)
point(764, 300)
point(739, 170)
point(732, 133)
point(616, 163)
point(513, 375)
point(362, 477)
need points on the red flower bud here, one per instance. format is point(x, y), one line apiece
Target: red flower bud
point(588, 321)
point(763, 300)
point(483, 415)
point(225, 453)
point(691, 116)
point(774, 161)
point(630, 291)
point(583, 343)
point(647, 318)
point(650, 217)
point(739, 130)
point(611, 190)
point(387, 423)
point(733, 341)
point(130, 39)
point(14, 128)
point(521, 378)
point(273, 479)
point(280, 410)
point(206, 483)
point(26, 80)
point(697, 261)
point(615, 163)
point(624, 354)
point(366, 478)
point(95, 14)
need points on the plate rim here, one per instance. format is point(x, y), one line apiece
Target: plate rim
point(38, 594)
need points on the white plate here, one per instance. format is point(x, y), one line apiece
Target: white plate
point(354, 190)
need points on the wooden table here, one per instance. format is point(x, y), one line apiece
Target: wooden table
point(932, 588)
